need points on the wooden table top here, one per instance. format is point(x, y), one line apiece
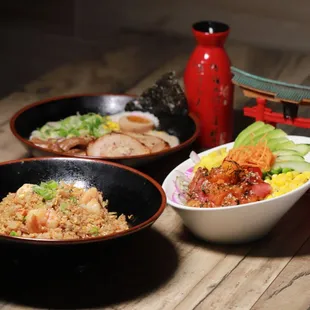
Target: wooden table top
point(163, 267)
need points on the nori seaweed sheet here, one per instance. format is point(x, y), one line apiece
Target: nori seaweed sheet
point(164, 98)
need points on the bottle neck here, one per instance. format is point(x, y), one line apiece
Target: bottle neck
point(210, 33)
point(206, 39)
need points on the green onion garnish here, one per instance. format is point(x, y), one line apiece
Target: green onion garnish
point(63, 207)
point(47, 190)
point(73, 199)
point(94, 231)
point(90, 124)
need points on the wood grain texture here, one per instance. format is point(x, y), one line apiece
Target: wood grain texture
point(291, 288)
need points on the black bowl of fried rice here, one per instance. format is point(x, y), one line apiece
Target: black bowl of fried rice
point(70, 201)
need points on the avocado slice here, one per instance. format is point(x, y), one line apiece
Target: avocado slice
point(275, 134)
point(244, 134)
point(273, 144)
point(300, 166)
point(253, 139)
point(286, 153)
point(289, 158)
point(302, 149)
point(277, 145)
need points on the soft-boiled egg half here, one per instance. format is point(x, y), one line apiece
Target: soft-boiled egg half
point(138, 122)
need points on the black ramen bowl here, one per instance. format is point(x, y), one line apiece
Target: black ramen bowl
point(119, 184)
point(35, 115)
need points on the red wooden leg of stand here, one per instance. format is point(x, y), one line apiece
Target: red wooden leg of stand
point(260, 108)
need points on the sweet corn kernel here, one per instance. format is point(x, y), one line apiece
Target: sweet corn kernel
point(307, 174)
point(301, 178)
point(285, 182)
point(109, 125)
point(289, 175)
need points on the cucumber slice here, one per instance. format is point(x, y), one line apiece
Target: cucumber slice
point(289, 158)
point(244, 134)
point(286, 153)
point(300, 166)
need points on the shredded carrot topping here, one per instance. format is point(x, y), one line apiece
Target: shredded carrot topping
point(258, 155)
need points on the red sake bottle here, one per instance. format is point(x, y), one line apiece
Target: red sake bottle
point(208, 84)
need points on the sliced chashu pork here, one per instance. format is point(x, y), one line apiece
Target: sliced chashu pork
point(50, 144)
point(71, 143)
point(155, 144)
point(116, 145)
point(78, 152)
point(170, 139)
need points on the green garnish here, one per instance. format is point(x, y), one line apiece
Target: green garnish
point(13, 233)
point(61, 132)
point(47, 190)
point(90, 124)
point(285, 170)
point(63, 207)
point(94, 231)
point(270, 173)
point(276, 171)
point(73, 199)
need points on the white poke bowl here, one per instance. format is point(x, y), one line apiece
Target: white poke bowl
point(234, 224)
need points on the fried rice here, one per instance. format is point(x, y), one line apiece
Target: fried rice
point(54, 210)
